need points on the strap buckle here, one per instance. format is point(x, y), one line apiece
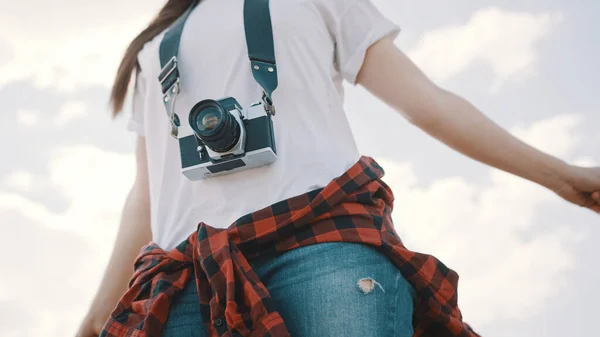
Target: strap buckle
point(169, 77)
point(169, 100)
point(170, 86)
point(169, 74)
point(268, 104)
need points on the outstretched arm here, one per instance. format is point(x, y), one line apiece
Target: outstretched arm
point(392, 77)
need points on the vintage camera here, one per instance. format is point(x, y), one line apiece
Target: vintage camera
point(223, 138)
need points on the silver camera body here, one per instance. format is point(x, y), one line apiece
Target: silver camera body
point(238, 139)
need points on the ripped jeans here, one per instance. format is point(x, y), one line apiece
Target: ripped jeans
point(321, 290)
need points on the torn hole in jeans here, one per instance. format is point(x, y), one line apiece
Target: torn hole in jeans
point(367, 284)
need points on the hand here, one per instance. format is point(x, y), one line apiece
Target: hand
point(581, 187)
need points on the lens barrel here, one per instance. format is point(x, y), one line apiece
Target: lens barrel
point(216, 127)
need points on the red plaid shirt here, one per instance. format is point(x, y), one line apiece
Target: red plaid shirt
point(355, 207)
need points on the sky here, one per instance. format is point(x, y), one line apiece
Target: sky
point(526, 259)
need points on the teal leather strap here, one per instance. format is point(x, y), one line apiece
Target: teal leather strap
point(259, 40)
point(261, 52)
point(169, 48)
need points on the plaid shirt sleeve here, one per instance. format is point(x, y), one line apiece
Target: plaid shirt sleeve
point(355, 207)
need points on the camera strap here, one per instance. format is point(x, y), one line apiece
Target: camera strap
point(261, 53)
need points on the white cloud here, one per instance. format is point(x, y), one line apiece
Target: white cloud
point(28, 117)
point(51, 271)
point(67, 44)
point(50, 19)
point(93, 178)
point(70, 248)
point(19, 179)
point(585, 162)
point(69, 111)
point(554, 135)
point(503, 40)
point(509, 267)
point(85, 57)
point(5, 51)
point(95, 181)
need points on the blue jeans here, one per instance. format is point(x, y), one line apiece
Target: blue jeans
point(321, 290)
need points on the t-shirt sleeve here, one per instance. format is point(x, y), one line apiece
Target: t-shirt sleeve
point(358, 25)
point(136, 120)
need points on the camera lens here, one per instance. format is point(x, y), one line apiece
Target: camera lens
point(208, 120)
point(215, 126)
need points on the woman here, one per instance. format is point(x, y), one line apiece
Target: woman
point(326, 289)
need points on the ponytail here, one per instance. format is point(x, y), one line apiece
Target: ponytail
point(172, 10)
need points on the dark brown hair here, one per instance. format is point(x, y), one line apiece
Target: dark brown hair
point(167, 15)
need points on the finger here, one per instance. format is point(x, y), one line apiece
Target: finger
point(595, 208)
point(596, 196)
point(582, 199)
point(589, 201)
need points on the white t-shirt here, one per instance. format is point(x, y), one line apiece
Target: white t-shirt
point(318, 44)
